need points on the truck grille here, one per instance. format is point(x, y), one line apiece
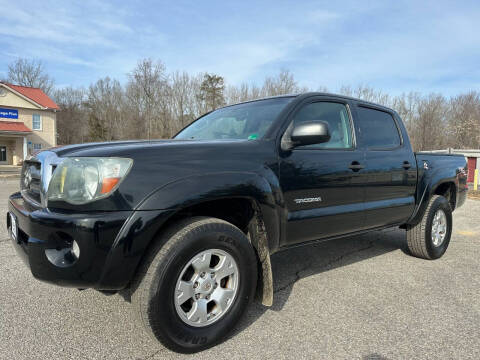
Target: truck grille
point(36, 175)
point(31, 180)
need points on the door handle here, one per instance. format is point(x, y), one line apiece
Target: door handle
point(356, 166)
point(406, 165)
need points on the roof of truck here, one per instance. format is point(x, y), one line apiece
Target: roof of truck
point(308, 94)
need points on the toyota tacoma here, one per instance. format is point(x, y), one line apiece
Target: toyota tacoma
point(185, 228)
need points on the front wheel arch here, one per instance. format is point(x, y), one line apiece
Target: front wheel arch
point(253, 226)
point(160, 270)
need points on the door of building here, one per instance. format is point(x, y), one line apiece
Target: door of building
point(3, 154)
point(472, 165)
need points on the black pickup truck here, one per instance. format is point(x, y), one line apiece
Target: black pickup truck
point(184, 228)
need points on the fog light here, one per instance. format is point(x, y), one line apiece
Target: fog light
point(64, 257)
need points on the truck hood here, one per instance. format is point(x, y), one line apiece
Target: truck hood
point(160, 162)
point(71, 150)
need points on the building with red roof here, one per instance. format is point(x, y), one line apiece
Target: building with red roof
point(27, 122)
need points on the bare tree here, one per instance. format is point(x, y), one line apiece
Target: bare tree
point(282, 84)
point(241, 93)
point(430, 123)
point(72, 115)
point(183, 92)
point(155, 103)
point(366, 93)
point(406, 106)
point(31, 73)
point(464, 120)
point(147, 91)
point(106, 118)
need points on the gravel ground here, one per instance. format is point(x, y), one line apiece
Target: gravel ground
point(356, 298)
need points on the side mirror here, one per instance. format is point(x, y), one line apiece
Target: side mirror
point(311, 132)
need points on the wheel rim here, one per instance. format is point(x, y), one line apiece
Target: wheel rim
point(206, 288)
point(439, 228)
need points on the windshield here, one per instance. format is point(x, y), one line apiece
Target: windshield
point(243, 121)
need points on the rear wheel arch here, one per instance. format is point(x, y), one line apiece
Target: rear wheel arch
point(420, 237)
point(448, 190)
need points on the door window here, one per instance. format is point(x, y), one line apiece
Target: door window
point(378, 129)
point(336, 116)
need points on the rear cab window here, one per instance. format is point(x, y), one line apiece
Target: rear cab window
point(378, 129)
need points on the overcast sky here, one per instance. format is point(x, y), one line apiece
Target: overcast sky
point(395, 46)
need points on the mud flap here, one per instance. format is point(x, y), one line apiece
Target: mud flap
point(258, 237)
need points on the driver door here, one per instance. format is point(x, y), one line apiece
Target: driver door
point(323, 184)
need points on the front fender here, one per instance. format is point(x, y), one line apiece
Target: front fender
point(194, 190)
point(161, 205)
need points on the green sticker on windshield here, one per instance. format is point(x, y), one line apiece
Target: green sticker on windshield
point(253, 137)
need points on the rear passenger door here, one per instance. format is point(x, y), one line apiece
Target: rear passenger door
point(390, 167)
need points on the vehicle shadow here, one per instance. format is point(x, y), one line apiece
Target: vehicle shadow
point(301, 262)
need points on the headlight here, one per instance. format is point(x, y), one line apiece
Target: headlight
point(83, 180)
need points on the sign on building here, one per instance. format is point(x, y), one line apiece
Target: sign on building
point(8, 113)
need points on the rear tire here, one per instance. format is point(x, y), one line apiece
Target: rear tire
point(155, 288)
point(429, 239)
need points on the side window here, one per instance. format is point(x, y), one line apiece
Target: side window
point(337, 117)
point(378, 128)
point(37, 122)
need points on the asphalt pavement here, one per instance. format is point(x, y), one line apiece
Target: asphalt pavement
point(355, 298)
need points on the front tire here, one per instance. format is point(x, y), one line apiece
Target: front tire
point(196, 283)
point(429, 239)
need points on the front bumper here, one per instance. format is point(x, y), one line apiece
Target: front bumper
point(111, 243)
